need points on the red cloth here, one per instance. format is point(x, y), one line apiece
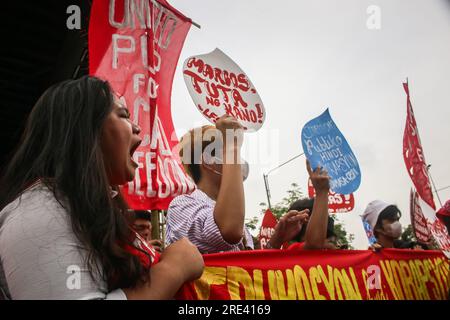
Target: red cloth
point(318, 274)
point(413, 156)
point(297, 246)
point(143, 250)
point(140, 64)
point(445, 210)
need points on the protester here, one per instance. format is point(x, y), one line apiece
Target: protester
point(318, 232)
point(298, 242)
point(444, 215)
point(212, 216)
point(332, 240)
point(62, 218)
point(143, 226)
point(383, 219)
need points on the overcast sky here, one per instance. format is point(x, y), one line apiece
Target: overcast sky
point(304, 56)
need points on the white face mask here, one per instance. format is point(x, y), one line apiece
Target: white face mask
point(394, 230)
point(216, 160)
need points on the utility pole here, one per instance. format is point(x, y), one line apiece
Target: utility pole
point(266, 177)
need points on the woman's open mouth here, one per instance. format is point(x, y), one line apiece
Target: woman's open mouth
point(132, 150)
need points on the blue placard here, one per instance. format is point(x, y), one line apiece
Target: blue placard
point(369, 232)
point(324, 145)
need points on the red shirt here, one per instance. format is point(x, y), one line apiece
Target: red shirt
point(297, 246)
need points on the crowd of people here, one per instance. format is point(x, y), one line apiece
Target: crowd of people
point(61, 205)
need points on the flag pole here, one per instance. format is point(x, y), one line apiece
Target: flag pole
point(434, 186)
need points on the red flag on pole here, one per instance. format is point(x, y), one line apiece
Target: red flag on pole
point(417, 169)
point(135, 45)
point(414, 156)
point(267, 228)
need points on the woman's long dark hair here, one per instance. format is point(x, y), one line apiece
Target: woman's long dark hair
point(61, 146)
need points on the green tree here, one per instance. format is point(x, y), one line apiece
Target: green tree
point(251, 224)
point(408, 234)
point(342, 235)
point(280, 208)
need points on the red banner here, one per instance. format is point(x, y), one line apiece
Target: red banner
point(267, 228)
point(414, 157)
point(135, 45)
point(418, 221)
point(391, 274)
point(337, 203)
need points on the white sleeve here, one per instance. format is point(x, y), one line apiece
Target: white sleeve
point(40, 257)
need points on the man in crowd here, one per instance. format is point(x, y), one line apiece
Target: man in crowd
point(143, 226)
point(383, 219)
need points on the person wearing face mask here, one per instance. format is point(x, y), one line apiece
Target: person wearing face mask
point(212, 216)
point(384, 218)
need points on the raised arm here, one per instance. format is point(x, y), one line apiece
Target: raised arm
point(229, 211)
point(316, 231)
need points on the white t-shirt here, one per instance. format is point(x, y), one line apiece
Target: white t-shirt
point(40, 256)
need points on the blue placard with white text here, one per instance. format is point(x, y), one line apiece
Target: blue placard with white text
point(324, 145)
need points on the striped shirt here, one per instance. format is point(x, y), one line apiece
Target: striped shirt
point(192, 216)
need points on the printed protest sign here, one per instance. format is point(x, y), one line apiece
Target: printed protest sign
point(337, 203)
point(267, 228)
point(135, 45)
point(369, 232)
point(218, 86)
point(324, 145)
point(418, 221)
point(436, 227)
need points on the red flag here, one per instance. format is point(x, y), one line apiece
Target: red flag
point(135, 45)
point(414, 157)
point(267, 228)
point(337, 203)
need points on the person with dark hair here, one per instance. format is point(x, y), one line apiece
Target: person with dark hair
point(63, 222)
point(212, 216)
point(300, 205)
point(313, 230)
point(383, 219)
point(143, 226)
point(312, 235)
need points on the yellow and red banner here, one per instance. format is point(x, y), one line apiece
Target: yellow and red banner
point(390, 274)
